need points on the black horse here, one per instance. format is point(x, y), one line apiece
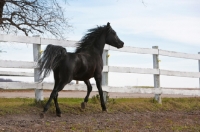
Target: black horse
point(82, 65)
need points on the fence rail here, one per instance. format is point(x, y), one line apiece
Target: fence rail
point(81, 87)
point(156, 71)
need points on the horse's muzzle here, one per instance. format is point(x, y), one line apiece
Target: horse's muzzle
point(120, 45)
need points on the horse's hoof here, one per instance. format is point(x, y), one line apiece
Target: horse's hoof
point(42, 115)
point(104, 111)
point(83, 105)
point(59, 115)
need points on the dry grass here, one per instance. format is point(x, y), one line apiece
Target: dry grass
point(72, 105)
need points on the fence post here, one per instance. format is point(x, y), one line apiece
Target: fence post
point(105, 74)
point(156, 77)
point(36, 56)
point(199, 70)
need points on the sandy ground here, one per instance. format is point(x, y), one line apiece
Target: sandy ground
point(77, 94)
point(104, 122)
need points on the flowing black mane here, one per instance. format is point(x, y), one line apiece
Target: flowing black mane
point(87, 42)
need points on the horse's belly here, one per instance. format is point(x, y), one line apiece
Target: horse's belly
point(84, 75)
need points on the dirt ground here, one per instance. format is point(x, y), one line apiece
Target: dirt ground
point(115, 122)
point(146, 121)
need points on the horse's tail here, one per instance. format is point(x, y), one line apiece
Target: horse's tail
point(50, 59)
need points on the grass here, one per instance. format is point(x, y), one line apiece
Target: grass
point(72, 105)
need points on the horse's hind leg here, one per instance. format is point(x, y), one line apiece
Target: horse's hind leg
point(89, 89)
point(56, 78)
point(58, 112)
point(54, 95)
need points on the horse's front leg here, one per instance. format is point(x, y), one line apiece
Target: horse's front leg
point(98, 80)
point(89, 89)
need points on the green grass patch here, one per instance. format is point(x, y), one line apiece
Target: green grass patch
point(14, 105)
point(189, 128)
point(72, 105)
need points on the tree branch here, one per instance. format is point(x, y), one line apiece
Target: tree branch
point(33, 16)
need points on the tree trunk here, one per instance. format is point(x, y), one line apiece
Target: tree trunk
point(2, 3)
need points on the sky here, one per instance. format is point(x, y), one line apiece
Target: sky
point(172, 25)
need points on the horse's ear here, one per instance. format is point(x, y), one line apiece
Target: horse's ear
point(108, 24)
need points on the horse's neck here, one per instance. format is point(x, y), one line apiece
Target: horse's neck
point(100, 43)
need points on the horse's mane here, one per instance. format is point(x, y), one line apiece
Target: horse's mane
point(87, 42)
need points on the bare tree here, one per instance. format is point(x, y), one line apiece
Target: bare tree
point(33, 17)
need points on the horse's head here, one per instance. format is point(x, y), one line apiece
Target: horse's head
point(112, 38)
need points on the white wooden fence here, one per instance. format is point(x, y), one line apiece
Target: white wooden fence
point(156, 71)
